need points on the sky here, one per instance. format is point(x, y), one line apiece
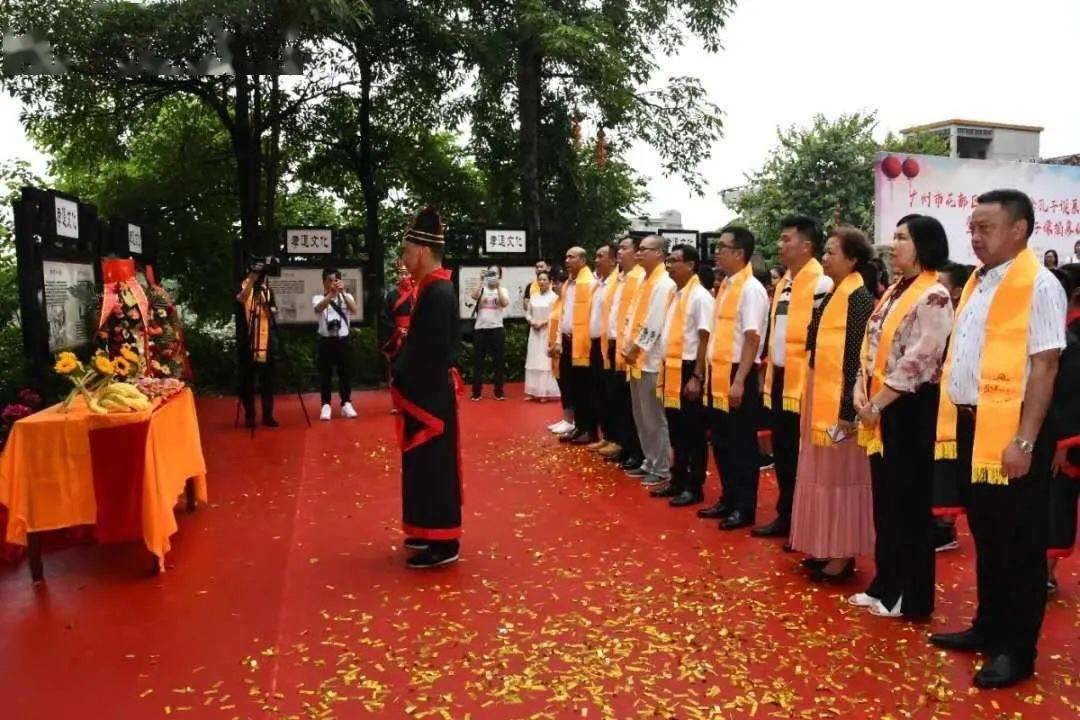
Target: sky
point(914, 62)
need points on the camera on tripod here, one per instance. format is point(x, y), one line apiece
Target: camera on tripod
point(263, 267)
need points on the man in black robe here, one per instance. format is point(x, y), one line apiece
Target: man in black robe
point(424, 389)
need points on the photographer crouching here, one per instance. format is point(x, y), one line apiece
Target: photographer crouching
point(334, 308)
point(256, 358)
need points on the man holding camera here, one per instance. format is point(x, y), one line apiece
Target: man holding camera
point(334, 308)
point(489, 336)
point(254, 349)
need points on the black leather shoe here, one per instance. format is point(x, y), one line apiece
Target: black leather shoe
point(249, 422)
point(270, 422)
point(1003, 671)
point(665, 492)
point(583, 438)
point(777, 528)
point(845, 573)
point(686, 498)
point(966, 641)
point(715, 512)
point(570, 436)
point(630, 463)
point(736, 520)
point(786, 547)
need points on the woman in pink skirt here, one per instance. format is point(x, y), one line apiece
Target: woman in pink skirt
point(832, 518)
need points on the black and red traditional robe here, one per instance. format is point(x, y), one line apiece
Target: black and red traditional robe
point(1065, 484)
point(424, 390)
point(399, 306)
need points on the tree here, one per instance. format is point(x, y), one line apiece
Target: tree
point(825, 171)
point(540, 61)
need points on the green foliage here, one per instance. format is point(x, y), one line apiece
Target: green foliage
point(824, 170)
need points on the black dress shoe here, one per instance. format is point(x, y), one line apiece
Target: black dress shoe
point(416, 544)
point(668, 491)
point(715, 512)
point(737, 519)
point(569, 437)
point(966, 641)
point(270, 422)
point(813, 563)
point(786, 547)
point(249, 422)
point(583, 438)
point(1003, 671)
point(845, 573)
point(631, 463)
point(777, 528)
point(686, 498)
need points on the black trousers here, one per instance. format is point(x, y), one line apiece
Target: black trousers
point(489, 341)
point(686, 428)
point(620, 409)
point(1009, 525)
point(1064, 495)
point(249, 370)
point(577, 385)
point(785, 437)
point(735, 449)
point(902, 478)
point(334, 353)
point(597, 389)
point(565, 396)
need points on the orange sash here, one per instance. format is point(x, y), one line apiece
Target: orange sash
point(584, 284)
point(670, 388)
point(633, 281)
point(723, 343)
point(870, 438)
point(829, 361)
point(640, 310)
point(1002, 369)
point(611, 284)
point(800, 309)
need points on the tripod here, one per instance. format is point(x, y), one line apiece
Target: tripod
point(273, 342)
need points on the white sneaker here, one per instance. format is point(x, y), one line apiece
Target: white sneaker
point(561, 428)
point(347, 410)
point(862, 600)
point(325, 413)
point(879, 609)
point(554, 427)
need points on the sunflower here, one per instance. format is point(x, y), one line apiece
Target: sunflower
point(104, 365)
point(66, 363)
point(122, 366)
point(129, 354)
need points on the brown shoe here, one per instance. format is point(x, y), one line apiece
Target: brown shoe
point(598, 445)
point(610, 451)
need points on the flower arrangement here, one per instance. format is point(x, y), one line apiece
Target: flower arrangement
point(121, 336)
point(153, 387)
point(101, 382)
point(168, 355)
point(28, 403)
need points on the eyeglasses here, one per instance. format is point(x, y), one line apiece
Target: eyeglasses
point(722, 247)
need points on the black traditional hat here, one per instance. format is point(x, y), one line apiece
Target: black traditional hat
point(427, 228)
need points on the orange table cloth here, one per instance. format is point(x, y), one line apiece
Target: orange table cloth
point(47, 471)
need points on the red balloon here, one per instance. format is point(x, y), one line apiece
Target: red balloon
point(891, 167)
point(910, 168)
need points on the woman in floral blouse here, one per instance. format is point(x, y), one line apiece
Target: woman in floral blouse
point(897, 399)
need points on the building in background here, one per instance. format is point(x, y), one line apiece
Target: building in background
point(668, 219)
point(976, 139)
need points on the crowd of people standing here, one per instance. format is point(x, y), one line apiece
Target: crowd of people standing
point(893, 405)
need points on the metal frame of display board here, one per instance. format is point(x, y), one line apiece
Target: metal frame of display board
point(340, 256)
point(44, 223)
point(706, 243)
point(669, 233)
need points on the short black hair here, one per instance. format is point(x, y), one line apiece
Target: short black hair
point(689, 253)
point(931, 243)
point(1051, 250)
point(762, 275)
point(808, 227)
point(1069, 276)
point(1016, 203)
point(958, 272)
point(742, 239)
point(543, 272)
point(327, 272)
point(855, 245)
point(611, 247)
point(498, 268)
point(706, 274)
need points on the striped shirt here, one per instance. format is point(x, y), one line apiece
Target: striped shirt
point(777, 349)
point(1046, 328)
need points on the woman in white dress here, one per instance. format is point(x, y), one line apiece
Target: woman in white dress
point(539, 381)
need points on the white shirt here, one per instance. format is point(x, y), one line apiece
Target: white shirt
point(777, 350)
point(1046, 329)
point(699, 312)
point(489, 312)
point(648, 339)
point(596, 312)
point(1071, 259)
point(753, 314)
point(613, 314)
point(566, 325)
point(329, 313)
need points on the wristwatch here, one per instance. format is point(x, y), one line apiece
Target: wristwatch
point(874, 408)
point(1025, 447)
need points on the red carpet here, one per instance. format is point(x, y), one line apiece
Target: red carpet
point(577, 596)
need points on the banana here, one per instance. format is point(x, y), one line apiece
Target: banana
point(124, 388)
point(95, 406)
point(112, 404)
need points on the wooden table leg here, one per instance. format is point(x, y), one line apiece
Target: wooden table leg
point(189, 495)
point(33, 547)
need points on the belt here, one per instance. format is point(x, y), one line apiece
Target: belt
point(966, 409)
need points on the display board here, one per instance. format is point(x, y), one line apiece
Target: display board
point(505, 240)
point(514, 279)
point(309, 241)
point(68, 287)
point(295, 287)
point(946, 188)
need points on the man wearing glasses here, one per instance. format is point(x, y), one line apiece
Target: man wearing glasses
point(733, 395)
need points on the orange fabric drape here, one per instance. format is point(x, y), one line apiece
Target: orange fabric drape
point(584, 284)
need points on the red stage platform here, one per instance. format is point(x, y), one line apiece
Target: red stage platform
point(576, 596)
